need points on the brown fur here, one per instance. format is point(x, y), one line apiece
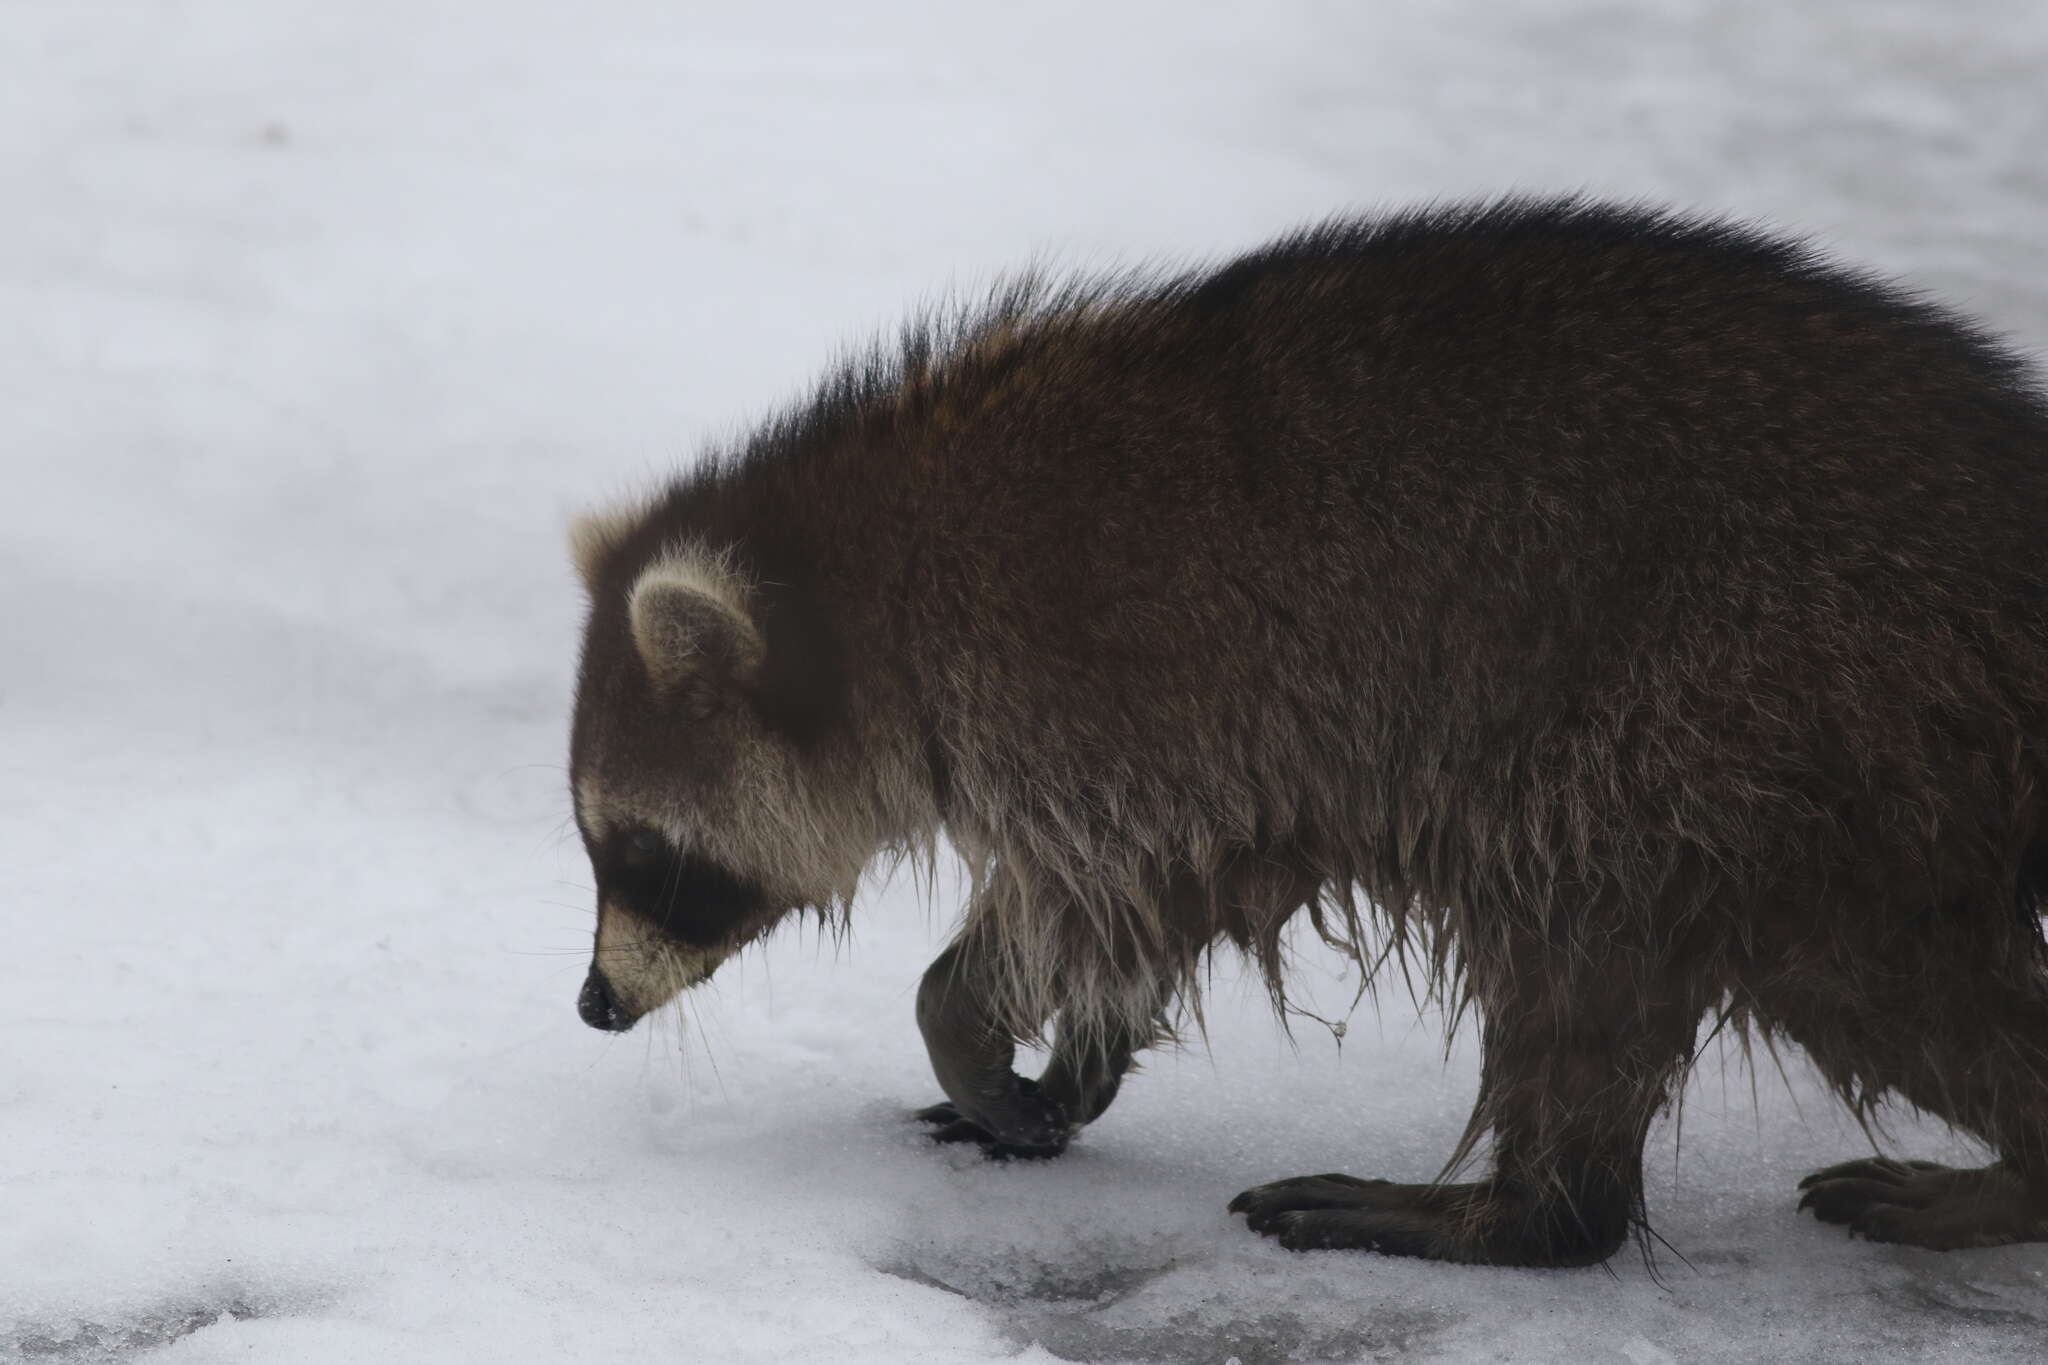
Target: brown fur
point(1635, 617)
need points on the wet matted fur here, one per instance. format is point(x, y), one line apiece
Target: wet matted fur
point(1615, 617)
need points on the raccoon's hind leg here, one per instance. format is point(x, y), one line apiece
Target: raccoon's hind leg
point(1580, 1053)
point(973, 1054)
point(1925, 1204)
point(1968, 1046)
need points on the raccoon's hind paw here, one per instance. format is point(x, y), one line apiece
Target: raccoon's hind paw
point(1924, 1204)
point(948, 1126)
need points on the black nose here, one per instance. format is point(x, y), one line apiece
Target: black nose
point(599, 1007)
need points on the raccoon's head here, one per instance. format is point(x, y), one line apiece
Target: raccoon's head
point(695, 781)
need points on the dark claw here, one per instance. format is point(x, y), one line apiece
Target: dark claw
point(949, 1127)
point(1871, 1168)
point(960, 1130)
point(1264, 1205)
point(1844, 1201)
point(1324, 1212)
point(1926, 1204)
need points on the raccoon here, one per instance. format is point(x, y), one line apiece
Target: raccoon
point(1616, 619)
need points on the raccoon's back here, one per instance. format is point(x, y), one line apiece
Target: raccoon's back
point(1578, 414)
point(1482, 501)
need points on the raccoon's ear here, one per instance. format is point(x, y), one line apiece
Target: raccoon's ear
point(597, 534)
point(693, 629)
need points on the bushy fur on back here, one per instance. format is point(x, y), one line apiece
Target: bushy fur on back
point(1628, 607)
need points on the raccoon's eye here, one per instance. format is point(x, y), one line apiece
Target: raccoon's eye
point(642, 850)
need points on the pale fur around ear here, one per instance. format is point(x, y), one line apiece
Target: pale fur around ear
point(691, 624)
point(595, 534)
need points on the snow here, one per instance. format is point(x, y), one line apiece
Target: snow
point(323, 318)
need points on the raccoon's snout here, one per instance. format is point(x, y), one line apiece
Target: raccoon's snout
point(599, 1007)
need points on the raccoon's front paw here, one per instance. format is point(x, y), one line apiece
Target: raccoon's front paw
point(1330, 1212)
point(944, 1115)
point(1475, 1224)
point(1026, 1124)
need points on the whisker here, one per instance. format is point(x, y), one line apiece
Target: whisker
point(704, 1040)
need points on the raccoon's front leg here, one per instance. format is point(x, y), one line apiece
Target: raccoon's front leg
point(972, 1052)
point(1088, 1066)
point(1572, 1073)
point(1082, 1078)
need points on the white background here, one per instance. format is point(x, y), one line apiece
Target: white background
point(318, 320)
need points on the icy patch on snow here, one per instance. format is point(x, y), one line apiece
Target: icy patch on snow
point(1093, 1302)
point(82, 1342)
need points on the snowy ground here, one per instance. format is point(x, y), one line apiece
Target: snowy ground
point(319, 321)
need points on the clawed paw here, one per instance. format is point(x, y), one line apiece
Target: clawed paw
point(1925, 1204)
point(1334, 1211)
point(949, 1126)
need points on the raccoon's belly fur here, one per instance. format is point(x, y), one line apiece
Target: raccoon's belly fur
point(1617, 617)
